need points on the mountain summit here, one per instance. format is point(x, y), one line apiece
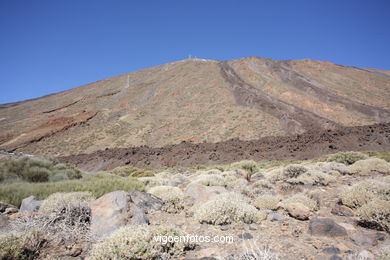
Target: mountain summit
point(198, 100)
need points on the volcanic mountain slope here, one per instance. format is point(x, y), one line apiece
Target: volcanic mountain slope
point(199, 101)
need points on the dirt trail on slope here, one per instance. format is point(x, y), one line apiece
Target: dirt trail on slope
point(305, 146)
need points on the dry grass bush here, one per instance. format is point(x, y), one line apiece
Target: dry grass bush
point(369, 166)
point(303, 199)
point(171, 196)
point(257, 188)
point(34, 169)
point(267, 201)
point(22, 246)
point(210, 180)
point(299, 174)
point(225, 209)
point(376, 213)
point(364, 192)
point(251, 167)
point(63, 217)
point(138, 242)
point(347, 158)
point(254, 252)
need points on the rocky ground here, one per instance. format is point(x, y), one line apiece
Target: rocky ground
point(305, 211)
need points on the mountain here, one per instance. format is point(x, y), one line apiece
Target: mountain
point(198, 100)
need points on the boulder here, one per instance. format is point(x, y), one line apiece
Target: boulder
point(146, 201)
point(341, 210)
point(110, 212)
point(138, 216)
point(201, 193)
point(364, 239)
point(298, 210)
point(30, 204)
point(273, 216)
point(326, 227)
point(7, 208)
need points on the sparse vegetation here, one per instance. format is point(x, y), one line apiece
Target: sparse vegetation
point(225, 209)
point(347, 158)
point(138, 242)
point(210, 180)
point(97, 184)
point(171, 196)
point(249, 166)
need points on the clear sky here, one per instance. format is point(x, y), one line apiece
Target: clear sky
point(48, 46)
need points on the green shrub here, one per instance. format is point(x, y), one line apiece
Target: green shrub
point(267, 201)
point(346, 157)
point(225, 209)
point(97, 184)
point(364, 192)
point(385, 155)
point(369, 166)
point(171, 196)
point(140, 242)
point(376, 212)
point(34, 169)
point(248, 165)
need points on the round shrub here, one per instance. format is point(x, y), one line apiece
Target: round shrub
point(377, 213)
point(369, 166)
point(363, 192)
point(210, 180)
point(58, 202)
point(171, 196)
point(267, 201)
point(36, 174)
point(138, 242)
point(225, 209)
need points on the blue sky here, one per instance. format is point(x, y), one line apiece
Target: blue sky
point(48, 46)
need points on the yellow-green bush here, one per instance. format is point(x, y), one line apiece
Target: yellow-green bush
point(97, 184)
point(346, 157)
point(267, 201)
point(225, 209)
point(376, 212)
point(139, 242)
point(171, 196)
point(248, 165)
point(369, 166)
point(130, 171)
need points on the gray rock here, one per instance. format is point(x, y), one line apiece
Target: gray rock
point(335, 257)
point(201, 193)
point(366, 255)
point(110, 212)
point(273, 216)
point(326, 227)
point(138, 216)
point(331, 250)
point(146, 201)
point(245, 236)
point(364, 239)
point(30, 204)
